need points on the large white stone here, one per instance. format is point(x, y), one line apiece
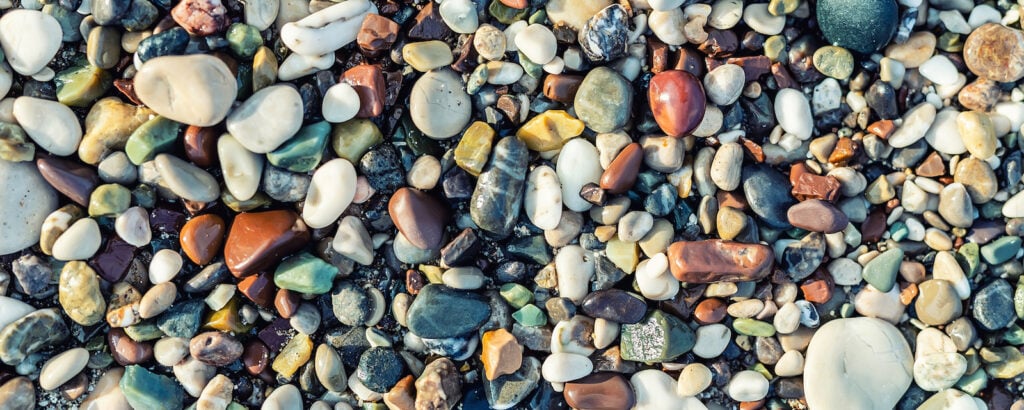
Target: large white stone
point(656, 390)
point(543, 198)
point(327, 30)
point(331, 191)
point(575, 267)
point(30, 39)
point(79, 242)
point(862, 362)
point(196, 89)
point(439, 105)
point(52, 125)
point(794, 113)
point(267, 119)
point(25, 201)
point(578, 164)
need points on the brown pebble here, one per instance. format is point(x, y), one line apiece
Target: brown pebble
point(845, 150)
point(201, 17)
point(501, 353)
point(201, 145)
point(403, 395)
point(75, 388)
point(562, 87)
point(215, 348)
point(286, 302)
point(376, 34)
point(716, 260)
point(126, 351)
point(710, 310)
point(255, 357)
point(817, 216)
point(600, 391)
point(882, 128)
point(807, 185)
point(71, 178)
point(258, 240)
point(429, 25)
point(201, 238)
point(995, 52)
point(912, 271)
point(818, 288)
point(677, 101)
point(368, 81)
point(419, 216)
point(258, 288)
point(621, 174)
point(980, 95)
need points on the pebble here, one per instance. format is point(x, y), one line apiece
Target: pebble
point(565, 367)
point(79, 242)
point(634, 225)
point(604, 37)
point(955, 205)
point(916, 123)
point(18, 393)
point(353, 241)
point(542, 200)
point(489, 42)
point(603, 100)
point(326, 30)
point(668, 26)
point(944, 134)
point(419, 216)
point(201, 238)
point(937, 366)
point(240, 167)
point(678, 102)
point(30, 39)
point(793, 112)
point(747, 385)
point(841, 355)
point(441, 312)
point(760, 20)
point(217, 393)
point(724, 84)
point(575, 267)
point(939, 70)
point(602, 390)
point(992, 306)
point(844, 27)
point(654, 390)
point(340, 104)
point(937, 302)
point(285, 397)
point(267, 119)
point(79, 294)
point(915, 51)
point(578, 165)
point(62, 367)
point(195, 89)
point(106, 394)
point(694, 379)
point(537, 43)
point(25, 201)
point(460, 16)
point(52, 125)
point(427, 55)
point(993, 51)
point(323, 206)
point(439, 105)
point(157, 299)
point(711, 340)
point(258, 240)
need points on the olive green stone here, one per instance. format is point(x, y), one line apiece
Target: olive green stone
point(103, 48)
point(264, 68)
point(531, 68)
point(144, 331)
point(774, 46)
point(782, 7)
point(753, 327)
point(516, 295)
point(303, 152)
point(80, 86)
point(1001, 250)
point(146, 390)
point(969, 256)
point(506, 14)
point(658, 337)
point(604, 100)
point(1010, 364)
point(153, 137)
point(538, 17)
point(14, 144)
point(833, 61)
point(881, 271)
point(475, 147)
point(351, 139)
point(1014, 335)
point(257, 201)
point(950, 42)
point(109, 200)
point(244, 39)
point(79, 294)
point(477, 79)
point(305, 273)
point(530, 315)
point(973, 383)
point(107, 127)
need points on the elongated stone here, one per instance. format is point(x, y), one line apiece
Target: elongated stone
point(146, 390)
point(496, 200)
point(33, 332)
point(70, 178)
point(716, 260)
point(259, 239)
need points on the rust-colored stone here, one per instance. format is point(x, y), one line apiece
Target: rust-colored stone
point(562, 87)
point(807, 185)
point(201, 238)
point(710, 310)
point(515, 4)
point(980, 95)
point(715, 260)
point(403, 395)
point(600, 391)
point(126, 351)
point(414, 281)
point(932, 166)
point(677, 100)
point(376, 34)
point(753, 67)
point(882, 128)
point(286, 302)
point(201, 145)
point(995, 52)
point(258, 288)
point(622, 172)
point(659, 55)
point(691, 61)
point(783, 77)
point(419, 216)
point(845, 150)
point(201, 17)
point(755, 151)
point(818, 288)
point(258, 240)
point(501, 353)
point(368, 81)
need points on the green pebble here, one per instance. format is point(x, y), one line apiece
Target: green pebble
point(530, 248)
point(950, 42)
point(898, 231)
point(658, 337)
point(153, 137)
point(146, 390)
point(1014, 335)
point(15, 145)
point(516, 295)
point(973, 383)
point(80, 85)
point(303, 152)
point(538, 17)
point(1010, 365)
point(182, 319)
point(833, 61)
point(477, 79)
point(418, 142)
point(969, 256)
point(109, 200)
point(244, 39)
point(144, 331)
point(506, 14)
point(530, 315)
point(847, 310)
point(531, 68)
point(257, 201)
point(881, 271)
point(1001, 250)
point(68, 19)
point(305, 273)
point(351, 139)
point(753, 327)
point(774, 46)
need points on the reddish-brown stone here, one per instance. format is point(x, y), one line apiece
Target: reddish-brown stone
point(414, 281)
point(818, 288)
point(258, 240)
point(127, 88)
point(622, 172)
point(201, 145)
point(286, 302)
point(659, 55)
point(932, 166)
point(691, 61)
point(600, 391)
point(377, 34)
point(419, 216)
point(783, 77)
point(403, 395)
point(74, 180)
point(126, 351)
point(715, 260)
point(755, 151)
point(708, 311)
point(882, 128)
point(873, 226)
point(368, 81)
point(562, 87)
point(255, 357)
point(817, 216)
point(980, 95)
point(720, 43)
point(677, 100)
point(258, 288)
point(732, 199)
point(201, 17)
point(201, 238)
point(846, 149)
point(753, 67)
point(807, 185)
point(215, 348)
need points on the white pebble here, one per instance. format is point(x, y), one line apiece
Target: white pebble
point(330, 191)
point(62, 367)
point(165, 266)
point(459, 15)
point(747, 385)
point(133, 226)
point(542, 200)
point(537, 42)
point(915, 124)
point(758, 18)
point(29, 39)
point(566, 367)
point(79, 242)
point(240, 167)
point(575, 267)
point(327, 30)
point(425, 173)
point(341, 103)
point(578, 164)
point(939, 69)
point(794, 113)
point(654, 280)
point(52, 125)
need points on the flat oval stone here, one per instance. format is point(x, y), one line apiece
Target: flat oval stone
point(240, 167)
point(542, 200)
point(258, 240)
point(817, 216)
point(196, 89)
point(419, 216)
point(620, 175)
point(326, 30)
point(863, 362)
point(715, 260)
point(767, 193)
point(600, 391)
point(614, 305)
point(844, 26)
point(70, 178)
point(215, 348)
point(330, 191)
point(79, 242)
point(18, 393)
point(267, 119)
point(52, 125)
point(201, 238)
point(25, 201)
point(30, 39)
point(604, 100)
point(678, 101)
point(441, 312)
point(186, 180)
point(61, 368)
point(992, 51)
point(439, 105)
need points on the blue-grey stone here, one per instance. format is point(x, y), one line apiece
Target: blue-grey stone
point(496, 200)
point(993, 306)
point(767, 193)
point(440, 312)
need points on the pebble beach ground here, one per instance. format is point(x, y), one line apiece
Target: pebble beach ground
point(511, 204)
